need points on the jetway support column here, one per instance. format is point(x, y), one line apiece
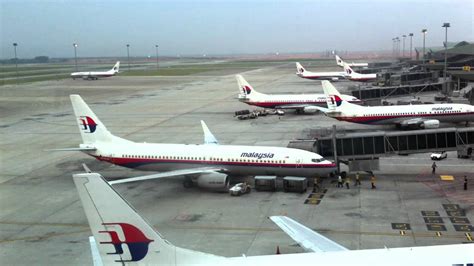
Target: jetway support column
point(336, 160)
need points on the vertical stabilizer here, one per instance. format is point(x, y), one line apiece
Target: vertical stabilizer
point(299, 69)
point(91, 128)
point(339, 61)
point(116, 67)
point(122, 235)
point(245, 88)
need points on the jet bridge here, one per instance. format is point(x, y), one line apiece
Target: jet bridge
point(369, 146)
point(383, 92)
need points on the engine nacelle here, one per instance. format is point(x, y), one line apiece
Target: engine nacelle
point(334, 78)
point(216, 181)
point(429, 124)
point(310, 109)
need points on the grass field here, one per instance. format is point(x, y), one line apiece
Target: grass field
point(44, 72)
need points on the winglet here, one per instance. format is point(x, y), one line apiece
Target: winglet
point(208, 136)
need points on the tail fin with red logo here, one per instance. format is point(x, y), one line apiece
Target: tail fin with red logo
point(334, 99)
point(245, 88)
point(122, 235)
point(299, 69)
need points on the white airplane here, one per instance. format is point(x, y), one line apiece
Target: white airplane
point(208, 165)
point(403, 116)
point(97, 74)
point(341, 63)
point(354, 76)
point(302, 103)
point(122, 236)
point(303, 73)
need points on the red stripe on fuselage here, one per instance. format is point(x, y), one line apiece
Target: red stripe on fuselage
point(126, 161)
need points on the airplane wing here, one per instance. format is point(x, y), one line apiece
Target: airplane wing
point(208, 136)
point(181, 172)
point(305, 237)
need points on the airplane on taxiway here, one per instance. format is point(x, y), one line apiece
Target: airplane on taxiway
point(97, 74)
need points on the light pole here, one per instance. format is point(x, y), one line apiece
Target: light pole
point(393, 48)
point(398, 46)
point(446, 25)
point(411, 42)
point(75, 55)
point(16, 60)
point(128, 56)
point(403, 52)
point(157, 62)
point(424, 31)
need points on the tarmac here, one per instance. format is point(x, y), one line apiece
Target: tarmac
point(42, 221)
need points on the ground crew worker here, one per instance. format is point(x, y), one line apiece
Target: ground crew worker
point(465, 182)
point(339, 181)
point(357, 183)
point(372, 181)
point(347, 181)
point(433, 167)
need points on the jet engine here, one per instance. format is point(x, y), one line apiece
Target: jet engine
point(216, 181)
point(429, 124)
point(310, 109)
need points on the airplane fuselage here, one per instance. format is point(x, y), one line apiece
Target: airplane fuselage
point(288, 100)
point(394, 114)
point(236, 160)
point(333, 76)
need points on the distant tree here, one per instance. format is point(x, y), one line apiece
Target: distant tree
point(41, 59)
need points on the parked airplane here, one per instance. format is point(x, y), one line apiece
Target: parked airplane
point(123, 236)
point(354, 76)
point(209, 165)
point(341, 63)
point(403, 116)
point(97, 74)
point(302, 103)
point(303, 73)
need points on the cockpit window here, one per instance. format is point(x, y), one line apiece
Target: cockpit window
point(317, 160)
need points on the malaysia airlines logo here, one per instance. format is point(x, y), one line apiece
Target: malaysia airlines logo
point(135, 240)
point(349, 71)
point(247, 89)
point(88, 124)
point(336, 100)
point(301, 70)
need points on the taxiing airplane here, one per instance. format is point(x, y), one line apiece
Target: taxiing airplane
point(303, 73)
point(354, 76)
point(302, 103)
point(208, 165)
point(341, 63)
point(123, 237)
point(403, 116)
point(97, 74)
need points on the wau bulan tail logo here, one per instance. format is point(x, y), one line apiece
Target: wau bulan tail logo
point(88, 124)
point(336, 100)
point(135, 240)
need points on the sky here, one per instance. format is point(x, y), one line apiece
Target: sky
point(184, 27)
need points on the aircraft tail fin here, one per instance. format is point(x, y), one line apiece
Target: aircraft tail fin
point(349, 71)
point(91, 128)
point(122, 235)
point(245, 88)
point(299, 68)
point(333, 97)
point(339, 61)
point(116, 67)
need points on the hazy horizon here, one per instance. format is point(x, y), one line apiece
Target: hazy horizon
point(224, 27)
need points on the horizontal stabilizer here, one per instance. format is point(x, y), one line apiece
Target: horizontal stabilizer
point(305, 237)
point(182, 172)
point(74, 149)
